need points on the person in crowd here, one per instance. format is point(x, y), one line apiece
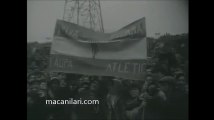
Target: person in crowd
point(149, 80)
point(43, 85)
point(36, 101)
point(96, 93)
point(31, 115)
point(31, 77)
point(53, 88)
point(63, 89)
point(181, 100)
point(30, 104)
point(55, 111)
point(72, 86)
point(178, 73)
point(152, 105)
point(166, 84)
point(34, 87)
point(28, 87)
point(115, 102)
point(181, 78)
point(175, 104)
point(132, 102)
point(149, 71)
point(62, 79)
point(42, 91)
point(83, 111)
point(158, 74)
point(72, 93)
point(186, 88)
point(64, 94)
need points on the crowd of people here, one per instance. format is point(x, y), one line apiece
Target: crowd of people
point(119, 99)
point(162, 95)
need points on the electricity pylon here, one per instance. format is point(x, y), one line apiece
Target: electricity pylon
point(85, 13)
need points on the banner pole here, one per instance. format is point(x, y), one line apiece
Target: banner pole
point(143, 114)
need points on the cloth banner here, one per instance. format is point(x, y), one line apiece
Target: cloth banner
point(76, 49)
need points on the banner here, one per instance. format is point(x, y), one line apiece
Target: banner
point(76, 49)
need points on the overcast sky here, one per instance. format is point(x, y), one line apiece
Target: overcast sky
point(162, 16)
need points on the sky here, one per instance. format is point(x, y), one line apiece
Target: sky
point(162, 16)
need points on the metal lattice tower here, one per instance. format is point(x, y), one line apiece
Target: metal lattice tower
point(85, 13)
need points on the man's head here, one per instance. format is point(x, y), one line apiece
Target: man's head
point(62, 76)
point(54, 83)
point(152, 89)
point(149, 79)
point(72, 84)
point(100, 78)
point(186, 88)
point(31, 78)
point(178, 73)
point(43, 85)
point(42, 93)
point(149, 71)
point(94, 85)
point(34, 86)
point(117, 79)
point(134, 90)
point(84, 79)
point(166, 83)
point(28, 87)
point(84, 82)
point(181, 78)
point(180, 85)
point(63, 83)
point(83, 88)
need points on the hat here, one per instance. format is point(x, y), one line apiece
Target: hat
point(85, 79)
point(179, 72)
point(54, 78)
point(134, 86)
point(117, 79)
point(166, 79)
point(34, 81)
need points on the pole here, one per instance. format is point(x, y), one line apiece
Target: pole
point(89, 10)
point(78, 12)
point(64, 10)
point(143, 114)
point(93, 45)
point(101, 18)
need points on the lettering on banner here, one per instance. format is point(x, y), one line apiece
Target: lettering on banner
point(62, 63)
point(127, 67)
